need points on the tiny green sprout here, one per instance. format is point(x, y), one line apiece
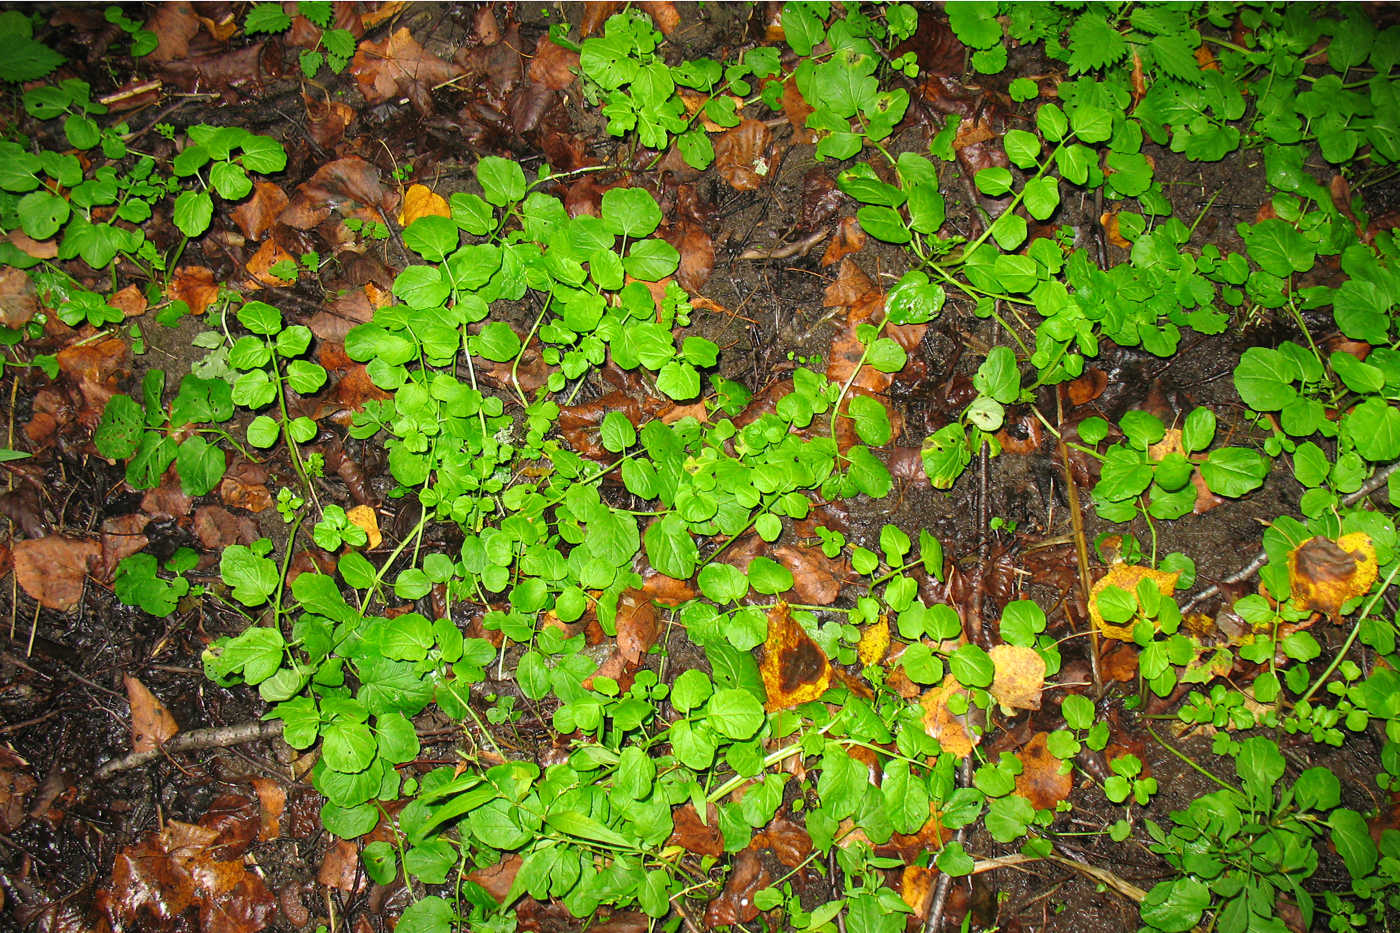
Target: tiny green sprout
point(288, 504)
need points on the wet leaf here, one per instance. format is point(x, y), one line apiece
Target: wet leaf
point(52, 569)
point(16, 781)
point(735, 904)
point(794, 669)
point(255, 217)
point(636, 626)
point(874, 642)
point(1325, 574)
point(421, 201)
point(1020, 676)
point(916, 889)
point(741, 155)
point(174, 24)
point(788, 839)
point(695, 836)
point(849, 238)
point(399, 67)
point(1040, 780)
point(553, 66)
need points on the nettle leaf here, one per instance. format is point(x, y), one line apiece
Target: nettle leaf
point(1094, 44)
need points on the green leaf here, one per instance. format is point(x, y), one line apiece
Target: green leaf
point(1094, 44)
point(768, 576)
point(422, 287)
point(266, 17)
point(200, 465)
point(1374, 427)
point(972, 666)
point(1278, 248)
point(723, 583)
point(994, 181)
point(42, 213)
point(1041, 196)
point(651, 260)
point(883, 223)
point(1009, 817)
point(872, 421)
point(497, 341)
point(630, 212)
point(1234, 471)
point(734, 713)
point(193, 211)
point(252, 578)
point(998, 375)
point(670, 548)
point(1352, 839)
point(119, 433)
point(1022, 148)
point(975, 23)
point(1175, 906)
point(431, 914)
point(432, 237)
point(617, 432)
point(502, 180)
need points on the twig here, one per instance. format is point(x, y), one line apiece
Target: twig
point(787, 250)
point(214, 737)
point(1248, 570)
point(1081, 548)
point(945, 880)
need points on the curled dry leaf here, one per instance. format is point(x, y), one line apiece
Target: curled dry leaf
point(741, 155)
point(422, 201)
point(794, 669)
point(1020, 676)
point(1040, 780)
point(1325, 574)
point(151, 723)
point(121, 537)
point(52, 569)
point(244, 486)
point(939, 722)
point(1125, 577)
point(1109, 221)
point(326, 122)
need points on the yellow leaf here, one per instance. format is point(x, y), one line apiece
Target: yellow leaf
point(364, 517)
point(419, 201)
point(874, 642)
point(1020, 676)
point(794, 669)
point(942, 724)
point(1125, 577)
point(1325, 573)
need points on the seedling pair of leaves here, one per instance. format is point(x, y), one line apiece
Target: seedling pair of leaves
point(150, 437)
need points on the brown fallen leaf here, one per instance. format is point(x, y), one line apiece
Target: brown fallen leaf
point(741, 155)
point(849, 238)
point(694, 836)
point(1040, 780)
point(52, 569)
point(788, 840)
point(636, 626)
point(121, 537)
point(794, 668)
point(195, 286)
point(16, 781)
point(735, 904)
point(216, 527)
point(257, 214)
point(399, 67)
point(553, 66)
point(259, 265)
point(18, 301)
point(130, 301)
point(151, 723)
point(1019, 678)
point(916, 889)
point(663, 13)
point(174, 24)
point(1325, 574)
point(272, 802)
point(350, 178)
point(498, 878)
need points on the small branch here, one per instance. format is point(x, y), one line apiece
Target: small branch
point(787, 250)
point(215, 737)
point(1248, 570)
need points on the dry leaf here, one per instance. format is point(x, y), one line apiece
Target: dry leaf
point(553, 66)
point(364, 517)
point(52, 569)
point(16, 781)
point(399, 67)
point(1125, 577)
point(256, 215)
point(663, 13)
point(1109, 221)
point(789, 841)
point(195, 286)
point(1325, 574)
point(340, 868)
point(1020, 676)
point(268, 255)
point(1040, 780)
point(272, 802)
point(916, 889)
point(940, 723)
point(18, 301)
point(794, 669)
point(498, 878)
point(636, 626)
point(694, 836)
point(151, 723)
point(421, 201)
point(849, 238)
point(174, 24)
point(735, 903)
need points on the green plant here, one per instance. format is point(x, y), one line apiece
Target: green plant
point(138, 581)
point(334, 46)
point(151, 437)
point(28, 58)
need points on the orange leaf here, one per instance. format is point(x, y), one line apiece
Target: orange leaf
point(940, 723)
point(1020, 676)
point(794, 669)
point(151, 723)
point(741, 155)
point(52, 569)
point(1325, 573)
point(874, 642)
point(1040, 780)
point(364, 517)
point(195, 286)
point(421, 201)
point(916, 889)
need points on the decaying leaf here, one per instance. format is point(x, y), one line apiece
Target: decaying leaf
point(422, 201)
point(788, 840)
point(741, 155)
point(1125, 577)
point(849, 238)
point(939, 722)
point(794, 669)
point(916, 889)
point(1325, 573)
point(636, 626)
point(553, 65)
point(1020, 676)
point(735, 903)
point(16, 782)
point(52, 569)
point(256, 215)
point(1040, 780)
point(498, 878)
point(399, 67)
point(260, 264)
point(694, 836)
point(195, 286)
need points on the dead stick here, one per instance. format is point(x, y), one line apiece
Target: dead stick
point(1081, 549)
point(1248, 570)
point(214, 737)
point(787, 250)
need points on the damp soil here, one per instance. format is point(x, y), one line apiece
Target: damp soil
point(63, 703)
